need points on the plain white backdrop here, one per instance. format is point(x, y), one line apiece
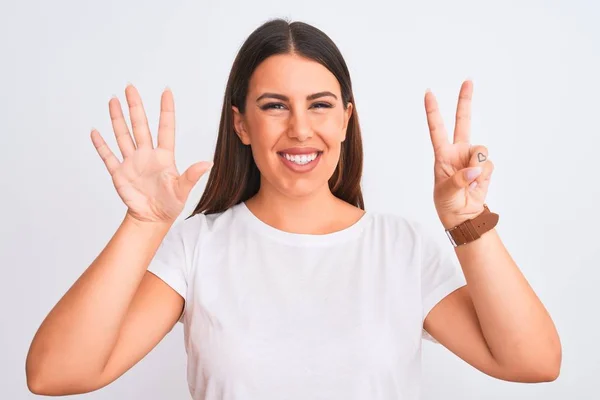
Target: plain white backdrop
point(536, 70)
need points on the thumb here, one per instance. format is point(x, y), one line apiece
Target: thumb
point(465, 177)
point(190, 177)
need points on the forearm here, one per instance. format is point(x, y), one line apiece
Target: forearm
point(78, 335)
point(516, 326)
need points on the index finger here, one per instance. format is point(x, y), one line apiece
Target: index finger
point(437, 131)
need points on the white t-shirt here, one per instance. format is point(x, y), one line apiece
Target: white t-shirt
point(275, 315)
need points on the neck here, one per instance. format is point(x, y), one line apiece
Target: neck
point(311, 214)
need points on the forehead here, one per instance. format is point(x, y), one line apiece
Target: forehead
point(291, 75)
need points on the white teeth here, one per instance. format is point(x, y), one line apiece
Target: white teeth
point(300, 159)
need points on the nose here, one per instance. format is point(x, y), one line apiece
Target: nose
point(299, 126)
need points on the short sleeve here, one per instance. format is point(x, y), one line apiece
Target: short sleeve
point(170, 262)
point(441, 273)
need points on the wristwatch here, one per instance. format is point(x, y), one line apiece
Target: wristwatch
point(472, 229)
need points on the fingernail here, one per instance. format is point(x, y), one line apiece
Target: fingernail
point(474, 173)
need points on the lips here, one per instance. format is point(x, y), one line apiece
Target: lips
point(301, 162)
point(300, 150)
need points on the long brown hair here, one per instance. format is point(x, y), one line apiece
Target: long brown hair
point(234, 176)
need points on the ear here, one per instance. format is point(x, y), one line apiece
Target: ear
point(347, 115)
point(239, 126)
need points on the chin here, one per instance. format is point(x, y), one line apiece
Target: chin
point(301, 188)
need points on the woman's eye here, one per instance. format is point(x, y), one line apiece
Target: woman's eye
point(322, 105)
point(280, 106)
point(273, 106)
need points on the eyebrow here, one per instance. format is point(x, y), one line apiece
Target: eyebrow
point(285, 98)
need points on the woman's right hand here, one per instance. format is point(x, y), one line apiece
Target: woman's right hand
point(147, 179)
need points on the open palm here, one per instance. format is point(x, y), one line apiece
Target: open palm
point(462, 171)
point(147, 179)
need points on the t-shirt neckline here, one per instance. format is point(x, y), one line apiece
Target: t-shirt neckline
point(301, 239)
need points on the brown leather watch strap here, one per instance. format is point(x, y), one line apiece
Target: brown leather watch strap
point(472, 229)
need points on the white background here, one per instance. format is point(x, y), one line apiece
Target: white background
point(536, 68)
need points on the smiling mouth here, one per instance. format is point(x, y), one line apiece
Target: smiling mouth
point(301, 159)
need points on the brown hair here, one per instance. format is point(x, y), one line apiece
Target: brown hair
point(234, 176)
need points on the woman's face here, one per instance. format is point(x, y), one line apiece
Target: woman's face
point(295, 123)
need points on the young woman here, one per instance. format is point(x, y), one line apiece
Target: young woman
point(286, 287)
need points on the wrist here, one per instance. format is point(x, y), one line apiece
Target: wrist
point(472, 229)
point(146, 227)
point(453, 222)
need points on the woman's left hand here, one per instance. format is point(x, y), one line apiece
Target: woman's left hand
point(462, 171)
